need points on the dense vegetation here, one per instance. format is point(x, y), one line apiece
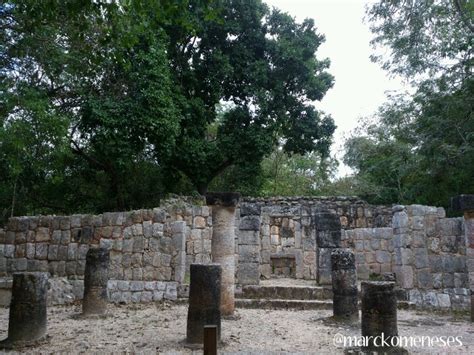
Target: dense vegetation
point(112, 105)
point(419, 147)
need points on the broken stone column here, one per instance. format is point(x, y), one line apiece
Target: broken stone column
point(27, 322)
point(204, 301)
point(379, 312)
point(96, 276)
point(465, 203)
point(223, 243)
point(344, 285)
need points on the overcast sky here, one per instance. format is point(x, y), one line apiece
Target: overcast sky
point(360, 85)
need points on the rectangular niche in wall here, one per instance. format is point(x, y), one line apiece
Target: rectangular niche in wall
point(283, 265)
point(282, 234)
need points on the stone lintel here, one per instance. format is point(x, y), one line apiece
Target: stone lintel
point(224, 199)
point(463, 203)
point(282, 256)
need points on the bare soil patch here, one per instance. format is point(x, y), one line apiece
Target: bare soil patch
point(161, 328)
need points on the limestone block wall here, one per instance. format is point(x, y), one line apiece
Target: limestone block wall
point(352, 211)
point(425, 249)
point(285, 239)
point(150, 250)
point(430, 257)
point(373, 249)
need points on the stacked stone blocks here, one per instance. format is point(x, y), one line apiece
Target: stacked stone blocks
point(373, 248)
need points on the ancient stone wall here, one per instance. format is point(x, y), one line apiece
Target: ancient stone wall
point(430, 257)
point(425, 249)
point(150, 250)
point(352, 211)
point(285, 239)
point(373, 249)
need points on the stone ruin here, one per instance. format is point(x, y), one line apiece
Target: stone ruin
point(151, 250)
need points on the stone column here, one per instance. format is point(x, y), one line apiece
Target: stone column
point(344, 285)
point(204, 301)
point(223, 243)
point(465, 203)
point(379, 311)
point(27, 322)
point(96, 276)
point(328, 236)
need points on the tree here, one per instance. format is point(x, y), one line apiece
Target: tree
point(86, 100)
point(426, 39)
point(301, 175)
point(262, 63)
point(420, 149)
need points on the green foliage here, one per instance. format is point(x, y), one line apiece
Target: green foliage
point(420, 148)
point(110, 105)
point(426, 38)
point(86, 101)
point(263, 65)
point(301, 175)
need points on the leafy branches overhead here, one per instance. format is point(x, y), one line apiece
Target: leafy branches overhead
point(425, 38)
point(86, 88)
point(263, 63)
point(421, 147)
point(97, 95)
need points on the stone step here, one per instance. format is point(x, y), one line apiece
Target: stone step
point(285, 292)
point(298, 304)
point(282, 304)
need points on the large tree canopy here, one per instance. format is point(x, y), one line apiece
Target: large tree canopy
point(262, 63)
point(420, 149)
point(86, 100)
point(110, 104)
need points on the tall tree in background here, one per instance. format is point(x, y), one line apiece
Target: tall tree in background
point(421, 149)
point(86, 102)
point(107, 105)
point(262, 63)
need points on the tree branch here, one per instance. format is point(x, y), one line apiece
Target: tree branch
point(457, 5)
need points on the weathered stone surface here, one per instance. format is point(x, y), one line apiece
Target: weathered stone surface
point(248, 209)
point(249, 254)
point(344, 285)
point(204, 301)
point(379, 310)
point(463, 203)
point(223, 245)
point(224, 199)
point(249, 273)
point(28, 318)
point(95, 282)
point(251, 223)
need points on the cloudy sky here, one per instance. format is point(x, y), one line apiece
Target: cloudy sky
point(360, 85)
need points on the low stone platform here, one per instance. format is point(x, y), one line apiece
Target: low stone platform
point(283, 304)
point(284, 294)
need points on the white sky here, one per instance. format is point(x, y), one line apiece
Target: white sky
point(360, 85)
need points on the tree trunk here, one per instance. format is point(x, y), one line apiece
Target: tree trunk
point(116, 191)
point(202, 189)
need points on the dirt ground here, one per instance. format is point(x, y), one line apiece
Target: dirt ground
point(161, 328)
